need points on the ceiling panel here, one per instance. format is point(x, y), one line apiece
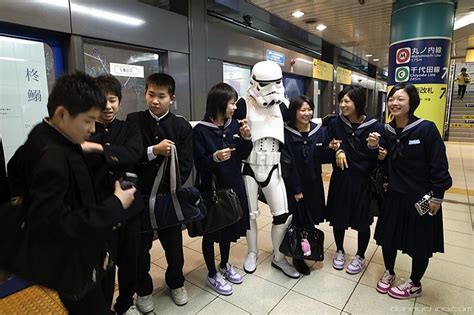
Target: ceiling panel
point(358, 28)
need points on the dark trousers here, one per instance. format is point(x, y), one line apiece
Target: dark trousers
point(172, 241)
point(125, 251)
point(93, 303)
point(461, 90)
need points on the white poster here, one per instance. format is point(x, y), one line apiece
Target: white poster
point(23, 90)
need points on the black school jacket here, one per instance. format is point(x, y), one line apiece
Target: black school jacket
point(66, 228)
point(122, 143)
point(171, 127)
point(57, 188)
point(416, 160)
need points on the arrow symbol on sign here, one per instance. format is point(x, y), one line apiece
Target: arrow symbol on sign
point(445, 69)
point(444, 92)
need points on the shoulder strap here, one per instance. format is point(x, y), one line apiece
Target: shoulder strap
point(175, 183)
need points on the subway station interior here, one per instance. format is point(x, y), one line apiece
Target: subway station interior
point(322, 46)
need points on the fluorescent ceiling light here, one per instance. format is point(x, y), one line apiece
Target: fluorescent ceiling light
point(11, 59)
point(464, 21)
point(376, 59)
point(321, 27)
point(97, 13)
point(368, 55)
point(297, 14)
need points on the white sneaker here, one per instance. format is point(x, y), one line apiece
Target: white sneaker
point(250, 264)
point(179, 296)
point(145, 303)
point(132, 311)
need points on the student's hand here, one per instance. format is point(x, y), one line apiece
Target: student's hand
point(126, 197)
point(373, 140)
point(163, 148)
point(224, 154)
point(244, 129)
point(335, 144)
point(341, 160)
point(90, 147)
point(298, 197)
point(434, 207)
point(382, 153)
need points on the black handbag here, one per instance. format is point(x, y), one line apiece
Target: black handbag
point(303, 242)
point(180, 205)
point(223, 209)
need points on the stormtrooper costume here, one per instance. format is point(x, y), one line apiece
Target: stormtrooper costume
point(262, 167)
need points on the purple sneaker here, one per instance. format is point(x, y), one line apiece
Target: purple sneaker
point(338, 260)
point(218, 284)
point(356, 265)
point(230, 274)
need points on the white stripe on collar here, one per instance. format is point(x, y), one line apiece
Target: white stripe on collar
point(406, 128)
point(362, 125)
point(212, 125)
point(296, 132)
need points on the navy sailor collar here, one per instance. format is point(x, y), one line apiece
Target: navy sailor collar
point(365, 123)
point(208, 123)
point(313, 129)
point(412, 123)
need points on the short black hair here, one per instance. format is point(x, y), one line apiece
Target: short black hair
point(217, 98)
point(78, 93)
point(463, 69)
point(109, 84)
point(295, 104)
point(161, 80)
point(357, 95)
point(410, 89)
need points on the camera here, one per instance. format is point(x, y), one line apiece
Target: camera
point(128, 180)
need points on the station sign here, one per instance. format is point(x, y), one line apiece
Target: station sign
point(275, 56)
point(126, 70)
point(343, 76)
point(323, 70)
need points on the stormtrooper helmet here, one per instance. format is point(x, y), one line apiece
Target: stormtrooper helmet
point(266, 85)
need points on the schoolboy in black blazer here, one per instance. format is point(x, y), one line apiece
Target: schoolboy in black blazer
point(58, 194)
point(160, 129)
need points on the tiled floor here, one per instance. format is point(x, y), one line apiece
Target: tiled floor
point(448, 286)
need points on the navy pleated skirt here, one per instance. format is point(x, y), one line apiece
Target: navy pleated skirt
point(348, 202)
point(401, 227)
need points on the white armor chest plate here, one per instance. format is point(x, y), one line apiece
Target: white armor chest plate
point(264, 122)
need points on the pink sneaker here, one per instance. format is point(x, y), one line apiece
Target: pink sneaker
point(406, 290)
point(385, 282)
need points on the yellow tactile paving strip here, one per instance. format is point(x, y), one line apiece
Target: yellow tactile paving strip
point(32, 300)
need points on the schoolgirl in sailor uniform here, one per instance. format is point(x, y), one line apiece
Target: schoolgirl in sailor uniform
point(348, 196)
point(306, 148)
point(416, 164)
point(220, 144)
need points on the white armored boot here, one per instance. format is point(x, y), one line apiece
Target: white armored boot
point(250, 264)
point(279, 261)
